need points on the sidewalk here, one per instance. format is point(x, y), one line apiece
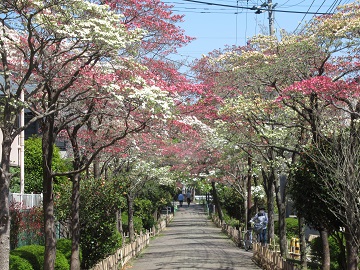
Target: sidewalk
point(192, 241)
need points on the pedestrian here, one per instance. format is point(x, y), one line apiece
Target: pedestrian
point(181, 199)
point(260, 221)
point(188, 198)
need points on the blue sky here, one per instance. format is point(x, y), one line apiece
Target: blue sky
point(216, 26)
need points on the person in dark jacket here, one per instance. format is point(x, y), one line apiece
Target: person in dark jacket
point(181, 199)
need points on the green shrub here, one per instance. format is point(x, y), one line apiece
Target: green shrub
point(230, 221)
point(30, 253)
point(34, 254)
point(143, 210)
point(231, 202)
point(335, 253)
point(33, 166)
point(61, 262)
point(97, 248)
point(292, 228)
point(100, 200)
point(64, 246)
point(18, 263)
point(138, 224)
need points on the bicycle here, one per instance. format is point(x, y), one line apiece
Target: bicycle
point(260, 231)
point(248, 240)
point(252, 235)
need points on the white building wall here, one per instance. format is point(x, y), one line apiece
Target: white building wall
point(15, 151)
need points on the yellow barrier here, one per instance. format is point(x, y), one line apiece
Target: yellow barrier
point(297, 246)
point(294, 248)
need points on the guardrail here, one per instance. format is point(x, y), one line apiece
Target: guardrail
point(124, 254)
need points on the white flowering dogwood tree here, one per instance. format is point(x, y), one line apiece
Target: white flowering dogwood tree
point(56, 43)
point(81, 68)
point(283, 95)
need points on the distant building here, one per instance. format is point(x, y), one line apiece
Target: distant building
point(34, 128)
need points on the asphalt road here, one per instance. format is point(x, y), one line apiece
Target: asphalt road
point(192, 241)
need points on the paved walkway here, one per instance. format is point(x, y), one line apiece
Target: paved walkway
point(191, 241)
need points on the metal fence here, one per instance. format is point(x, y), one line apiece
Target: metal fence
point(27, 200)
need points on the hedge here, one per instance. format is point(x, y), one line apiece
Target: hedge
point(18, 263)
point(34, 254)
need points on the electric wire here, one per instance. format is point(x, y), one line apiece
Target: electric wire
point(330, 10)
point(333, 5)
point(252, 8)
point(246, 20)
point(284, 3)
point(228, 7)
point(306, 14)
point(293, 5)
point(236, 22)
point(205, 12)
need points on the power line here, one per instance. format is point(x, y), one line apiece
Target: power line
point(285, 3)
point(333, 5)
point(307, 14)
point(246, 20)
point(227, 7)
point(255, 8)
point(236, 23)
point(188, 10)
point(330, 10)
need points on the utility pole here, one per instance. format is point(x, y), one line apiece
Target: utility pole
point(22, 149)
point(269, 6)
point(271, 17)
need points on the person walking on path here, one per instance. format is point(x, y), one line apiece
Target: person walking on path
point(192, 241)
point(188, 198)
point(260, 221)
point(181, 199)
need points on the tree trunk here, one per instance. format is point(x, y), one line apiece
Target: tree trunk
point(247, 200)
point(302, 243)
point(119, 225)
point(326, 250)
point(216, 201)
point(269, 187)
point(130, 202)
point(282, 230)
point(246, 216)
point(96, 168)
point(75, 223)
point(352, 252)
point(271, 211)
point(4, 203)
point(48, 196)
point(282, 215)
point(342, 256)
